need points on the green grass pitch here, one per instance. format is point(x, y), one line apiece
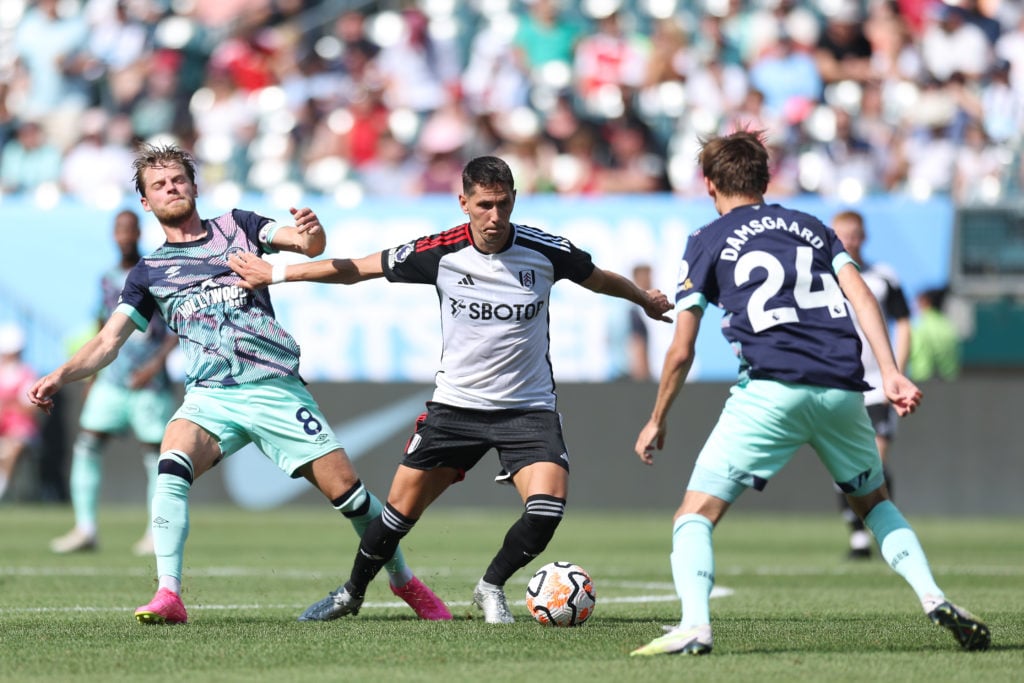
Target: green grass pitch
point(795, 608)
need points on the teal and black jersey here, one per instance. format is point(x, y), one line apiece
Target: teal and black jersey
point(139, 347)
point(773, 270)
point(229, 335)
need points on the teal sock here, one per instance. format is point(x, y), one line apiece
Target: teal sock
point(693, 568)
point(170, 512)
point(150, 457)
point(86, 480)
point(360, 508)
point(901, 549)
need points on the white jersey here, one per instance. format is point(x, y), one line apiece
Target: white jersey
point(494, 312)
point(883, 283)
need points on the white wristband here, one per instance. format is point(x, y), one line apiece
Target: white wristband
point(277, 273)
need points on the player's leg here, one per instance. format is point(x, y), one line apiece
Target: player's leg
point(335, 477)
point(12, 447)
point(189, 450)
point(531, 448)
point(902, 550)
point(762, 424)
point(333, 474)
point(86, 479)
point(149, 413)
point(104, 413)
point(883, 421)
point(693, 568)
point(543, 487)
point(150, 461)
point(412, 490)
point(845, 443)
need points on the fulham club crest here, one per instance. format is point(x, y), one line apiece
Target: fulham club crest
point(527, 278)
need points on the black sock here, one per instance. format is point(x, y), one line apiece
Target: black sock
point(376, 547)
point(527, 538)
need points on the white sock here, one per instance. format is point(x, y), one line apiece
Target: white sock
point(170, 583)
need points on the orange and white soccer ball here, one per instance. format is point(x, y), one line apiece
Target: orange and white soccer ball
point(561, 594)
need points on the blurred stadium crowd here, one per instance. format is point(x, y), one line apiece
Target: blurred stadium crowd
point(354, 99)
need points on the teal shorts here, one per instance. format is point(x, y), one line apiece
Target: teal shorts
point(111, 409)
point(763, 424)
point(278, 415)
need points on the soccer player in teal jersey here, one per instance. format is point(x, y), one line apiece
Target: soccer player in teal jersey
point(781, 277)
point(133, 392)
point(242, 381)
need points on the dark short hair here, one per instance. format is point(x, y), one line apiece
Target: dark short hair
point(935, 296)
point(127, 213)
point(153, 156)
point(736, 163)
point(486, 172)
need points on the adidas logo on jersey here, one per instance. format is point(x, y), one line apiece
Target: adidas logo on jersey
point(466, 281)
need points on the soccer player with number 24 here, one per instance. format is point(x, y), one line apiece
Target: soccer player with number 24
point(783, 279)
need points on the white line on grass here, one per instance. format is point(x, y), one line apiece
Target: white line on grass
point(305, 574)
point(717, 592)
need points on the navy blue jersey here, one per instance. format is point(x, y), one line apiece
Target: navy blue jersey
point(772, 270)
point(229, 335)
point(494, 312)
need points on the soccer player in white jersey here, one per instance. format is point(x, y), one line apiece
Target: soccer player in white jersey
point(133, 392)
point(882, 281)
point(781, 276)
point(242, 381)
point(495, 388)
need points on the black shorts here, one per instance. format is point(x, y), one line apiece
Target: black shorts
point(883, 419)
point(458, 437)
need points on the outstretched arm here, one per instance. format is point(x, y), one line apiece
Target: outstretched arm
point(96, 354)
point(901, 392)
point(654, 303)
point(678, 360)
point(256, 273)
point(306, 237)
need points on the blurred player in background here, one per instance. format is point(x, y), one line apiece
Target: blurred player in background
point(19, 426)
point(242, 370)
point(882, 281)
point(638, 336)
point(935, 351)
point(781, 277)
point(133, 392)
point(495, 388)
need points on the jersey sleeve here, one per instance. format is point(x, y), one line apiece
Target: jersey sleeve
point(574, 264)
point(136, 301)
point(411, 264)
point(259, 229)
point(894, 301)
point(697, 284)
point(896, 304)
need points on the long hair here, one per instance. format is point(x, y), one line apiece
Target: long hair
point(736, 163)
point(156, 156)
point(486, 172)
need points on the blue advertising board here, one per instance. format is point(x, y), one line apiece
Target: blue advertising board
point(378, 331)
